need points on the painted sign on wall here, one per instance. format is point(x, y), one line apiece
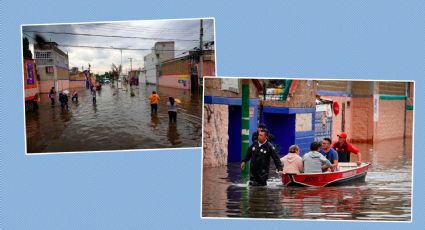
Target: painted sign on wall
point(30, 74)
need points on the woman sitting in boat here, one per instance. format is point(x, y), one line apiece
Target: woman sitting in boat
point(314, 161)
point(292, 162)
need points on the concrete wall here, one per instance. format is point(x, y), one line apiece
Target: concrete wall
point(175, 81)
point(362, 119)
point(391, 120)
point(333, 85)
point(213, 88)
point(216, 137)
point(142, 77)
point(77, 84)
point(62, 85)
point(164, 50)
point(303, 97)
point(150, 67)
point(409, 123)
point(46, 85)
point(208, 68)
point(392, 88)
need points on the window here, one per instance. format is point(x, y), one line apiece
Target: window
point(49, 70)
point(43, 55)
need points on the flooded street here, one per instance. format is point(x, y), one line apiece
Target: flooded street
point(386, 194)
point(116, 122)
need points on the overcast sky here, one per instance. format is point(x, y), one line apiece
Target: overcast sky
point(185, 33)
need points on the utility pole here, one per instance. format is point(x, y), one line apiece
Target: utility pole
point(245, 126)
point(131, 64)
point(201, 35)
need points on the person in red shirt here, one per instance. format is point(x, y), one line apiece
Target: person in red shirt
point(344, 149)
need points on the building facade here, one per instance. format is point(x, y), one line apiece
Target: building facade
point(289, 118)
point(52, 67)
point(77, 79)
point(370, 111)
point(184, 72)
point(161, 52)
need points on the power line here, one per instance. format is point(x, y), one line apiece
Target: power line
point(116, 48)
point(111, 36)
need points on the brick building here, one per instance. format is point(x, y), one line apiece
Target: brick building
point(184, 72)
point(370, 110)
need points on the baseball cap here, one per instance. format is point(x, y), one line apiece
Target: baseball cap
point(342, 135)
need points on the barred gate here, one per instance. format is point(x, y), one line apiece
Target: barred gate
point(323, 122)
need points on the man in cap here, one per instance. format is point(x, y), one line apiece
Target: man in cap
point(259, 154)
point(344, 149)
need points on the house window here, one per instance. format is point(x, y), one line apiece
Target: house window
point(43, 55)
point(49, 70)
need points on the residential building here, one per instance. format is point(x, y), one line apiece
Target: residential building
point(52, 66)
point(161, 52)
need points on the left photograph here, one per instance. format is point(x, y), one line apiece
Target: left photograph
point(107, 86)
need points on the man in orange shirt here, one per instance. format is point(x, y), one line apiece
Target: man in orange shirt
point(154, 101)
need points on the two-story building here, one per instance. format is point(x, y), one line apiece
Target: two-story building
point(52, 67)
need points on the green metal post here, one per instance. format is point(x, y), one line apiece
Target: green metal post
point(285, 91)
point(245, 125)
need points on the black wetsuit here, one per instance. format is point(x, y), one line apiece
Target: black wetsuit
point(260, 162)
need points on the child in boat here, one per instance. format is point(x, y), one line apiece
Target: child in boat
point(292, 162)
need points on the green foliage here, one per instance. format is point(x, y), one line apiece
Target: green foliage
point(26, 48)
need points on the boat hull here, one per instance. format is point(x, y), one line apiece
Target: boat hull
point(347, 174)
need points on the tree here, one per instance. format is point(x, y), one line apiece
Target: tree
point(26, 48)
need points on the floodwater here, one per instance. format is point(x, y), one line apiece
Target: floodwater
point(386, 194)
point(116, 121)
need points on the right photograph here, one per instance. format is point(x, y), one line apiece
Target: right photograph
point(307, 149)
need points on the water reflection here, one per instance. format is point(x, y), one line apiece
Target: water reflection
point(173, 134)
point(116, 121)
point(384, 196)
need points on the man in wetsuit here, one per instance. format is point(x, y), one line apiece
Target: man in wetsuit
point(259, 154)
point(344, 149)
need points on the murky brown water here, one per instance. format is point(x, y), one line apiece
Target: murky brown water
point(386, 194)
point(116, 122)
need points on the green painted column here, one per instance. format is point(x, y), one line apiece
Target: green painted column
point(245, 125)
point(285, 91)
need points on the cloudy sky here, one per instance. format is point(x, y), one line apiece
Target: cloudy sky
point(136, 38)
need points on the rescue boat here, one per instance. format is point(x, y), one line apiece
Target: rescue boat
point(347, 172)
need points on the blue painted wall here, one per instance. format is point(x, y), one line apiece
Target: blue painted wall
point(282, 126)
point(234, 130)
point(304, 139)
point(281, 122)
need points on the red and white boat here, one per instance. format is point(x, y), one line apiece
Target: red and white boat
point(347, 172)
